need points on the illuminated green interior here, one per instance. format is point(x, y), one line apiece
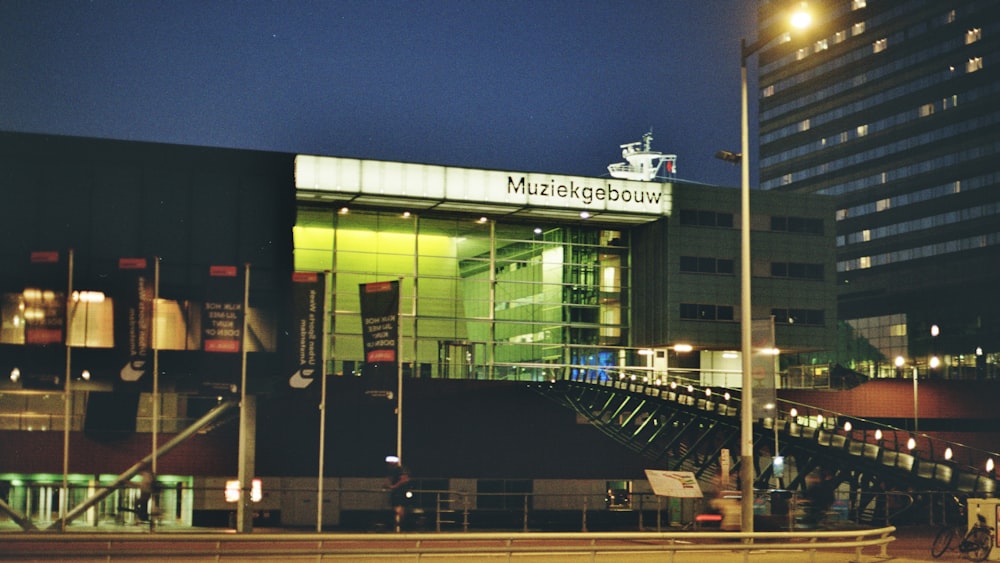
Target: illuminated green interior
point(478, 299)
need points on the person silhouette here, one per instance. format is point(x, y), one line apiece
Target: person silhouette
point(398, 485)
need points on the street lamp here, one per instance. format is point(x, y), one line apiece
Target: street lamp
point(799, 19)
point(900, 362)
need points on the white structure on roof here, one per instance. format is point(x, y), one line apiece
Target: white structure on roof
point(643, 163)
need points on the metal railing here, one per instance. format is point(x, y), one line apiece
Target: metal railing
point(384, 547)
point(967, 468)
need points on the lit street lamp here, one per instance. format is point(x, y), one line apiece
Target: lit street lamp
point(800, 19)
point(900, 362)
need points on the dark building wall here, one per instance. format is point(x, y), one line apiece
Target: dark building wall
point(661, 286)
point(42, 452)
point(451, 428)
point(191, 206)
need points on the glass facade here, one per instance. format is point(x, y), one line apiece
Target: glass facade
point(479, 298)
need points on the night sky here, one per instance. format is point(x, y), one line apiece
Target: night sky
point(521, 85)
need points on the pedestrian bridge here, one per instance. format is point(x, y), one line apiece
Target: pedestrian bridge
point(686, 427)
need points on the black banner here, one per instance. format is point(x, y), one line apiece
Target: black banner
point(380, 332)
point(133, 317)
point(308, 304)
point(222, 312)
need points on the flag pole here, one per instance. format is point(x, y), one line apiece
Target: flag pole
point(322, 405)
point(399, 375)
point(244, 517)
point(156, 363)
point(68, 401)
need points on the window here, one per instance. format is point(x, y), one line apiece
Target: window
point(797, 270)
point(973, 35)
point(804, 125)
point(858, 28)
point(880, 45)
point(926, 109)
point(858, 4)
point(797, 225)
point(810, 317)
point(821, 45)
point(707, 312)
point(974, 64)
point(768, 91)
point(702, 218)
point(706, 265)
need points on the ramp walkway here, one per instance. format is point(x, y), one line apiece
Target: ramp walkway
point(686, 427)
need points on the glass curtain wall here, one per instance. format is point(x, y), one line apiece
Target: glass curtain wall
point(479, 299)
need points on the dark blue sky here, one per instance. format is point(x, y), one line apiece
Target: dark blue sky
point(525, 85)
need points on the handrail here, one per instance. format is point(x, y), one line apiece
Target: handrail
point(99, 546)
point(961, 457)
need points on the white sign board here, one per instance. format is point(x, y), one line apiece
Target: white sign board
point(471, 186)
point(677, 484)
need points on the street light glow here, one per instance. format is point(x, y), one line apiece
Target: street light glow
point(801, 18)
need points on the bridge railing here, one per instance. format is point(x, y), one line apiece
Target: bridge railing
point(964, 468)
point(385, 547)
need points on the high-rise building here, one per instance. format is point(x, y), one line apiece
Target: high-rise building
point(892, 108)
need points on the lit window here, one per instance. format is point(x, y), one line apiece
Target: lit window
point(865, 262)
point(801, 54)
point(926, 109)
point(866, 235)
point(974, 64)
point(858, 28)
point(839, 37)
point(882, 204)
point(821, 45)
point(785, 37)
point(804, 125)
point(858, 4)
point(841, 214)
point(950, 18)
point(786, 179)
point(862, 130)
point(973, 35)
point(880, 45)
point(768, 91)
point(957, 186)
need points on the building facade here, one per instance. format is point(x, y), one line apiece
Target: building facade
point(501, 281)
point(505, 277)
point(890, 108)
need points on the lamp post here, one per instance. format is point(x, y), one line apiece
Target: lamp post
point(799, 19)
point(900, 362)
